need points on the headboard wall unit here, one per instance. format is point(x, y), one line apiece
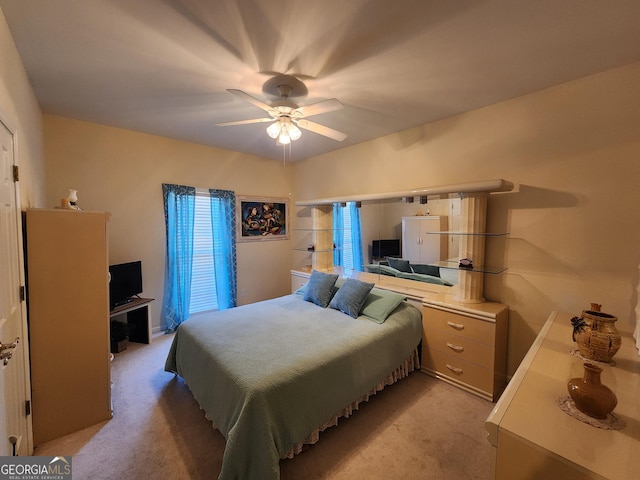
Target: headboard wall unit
point(469, 230)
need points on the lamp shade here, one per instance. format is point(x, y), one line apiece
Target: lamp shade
point(283, 138)
point(273, 130)
point(294, 132)
point(284, 131)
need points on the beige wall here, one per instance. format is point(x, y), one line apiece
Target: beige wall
point(121, 171)
point(573, 152)
point(20, 111)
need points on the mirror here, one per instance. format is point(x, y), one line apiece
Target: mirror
point(382, 227)
point(423, 256)
point(461, 209)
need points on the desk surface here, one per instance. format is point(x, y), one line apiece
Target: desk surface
point(528, 411)
point(132, 305)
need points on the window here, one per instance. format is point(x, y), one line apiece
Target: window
point(201, 254)
point(347, 237)
point(203, 279)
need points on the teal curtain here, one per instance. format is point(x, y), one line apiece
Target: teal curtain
point(338, 236)
point(179, 208)
point(356, 237)
point(223, 224)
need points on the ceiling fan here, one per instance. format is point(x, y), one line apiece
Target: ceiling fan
point(285, 115)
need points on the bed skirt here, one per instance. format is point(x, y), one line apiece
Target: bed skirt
point(409, 365)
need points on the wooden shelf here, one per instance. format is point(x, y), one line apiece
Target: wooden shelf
point(137, 316)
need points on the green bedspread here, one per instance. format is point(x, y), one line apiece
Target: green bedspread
point(269, 373)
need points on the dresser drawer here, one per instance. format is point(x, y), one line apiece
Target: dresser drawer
point(458, 370)
point(458, 346)
point(461, 325)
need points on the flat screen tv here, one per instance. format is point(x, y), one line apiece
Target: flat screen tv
point(125, 283)
point(385, 248)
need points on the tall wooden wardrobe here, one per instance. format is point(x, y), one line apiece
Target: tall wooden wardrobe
point(68, 304)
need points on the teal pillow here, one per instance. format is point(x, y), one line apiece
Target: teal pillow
point(426, 269)
point(379, 304)
point(399, 264)
point(320, 288)
point(351, 296)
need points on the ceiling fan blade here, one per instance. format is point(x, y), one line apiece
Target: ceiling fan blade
point(320, 107)
point(252, 99)
point(321, 129)
point(245, 122)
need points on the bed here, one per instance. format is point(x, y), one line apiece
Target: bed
point(272, 374)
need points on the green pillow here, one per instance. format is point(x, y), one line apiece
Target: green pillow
point(320, 288)
point(379, 304)
point(351, 296)
point(382, 269)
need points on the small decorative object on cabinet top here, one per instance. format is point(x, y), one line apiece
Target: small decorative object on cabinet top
point(466, 263)
point(71, 201)
point(597, 337)
point(590, 395)
point(590, 401)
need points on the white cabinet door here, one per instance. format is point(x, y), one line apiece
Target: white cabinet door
point(417, 245)
point(411, 240)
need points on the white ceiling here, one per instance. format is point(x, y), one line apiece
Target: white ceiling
point(163, 66)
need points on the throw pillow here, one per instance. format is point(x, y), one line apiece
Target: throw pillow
point(426, 269)
point(399, 264)
point(320, 288)
point(379, 304)
point(351, 296)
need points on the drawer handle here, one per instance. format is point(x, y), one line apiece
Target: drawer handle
point(454, 369)
point(457, 326)
point(457, 348)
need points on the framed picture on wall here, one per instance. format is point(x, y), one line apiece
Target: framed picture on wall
point(262, 218)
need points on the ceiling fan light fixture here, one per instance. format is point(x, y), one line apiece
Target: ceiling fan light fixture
point(294, 132)
point(273, 130)
point(283, 138)
point(284, 131)
point(286, 117)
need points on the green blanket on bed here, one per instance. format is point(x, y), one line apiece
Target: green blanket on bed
point(269, 373)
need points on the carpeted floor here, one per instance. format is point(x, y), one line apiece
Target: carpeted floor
point(419, 428)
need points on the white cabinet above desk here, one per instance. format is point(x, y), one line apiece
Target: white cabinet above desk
point(532, 438)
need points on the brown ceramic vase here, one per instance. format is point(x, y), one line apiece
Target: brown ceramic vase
point(590, 395)
point(596, 334)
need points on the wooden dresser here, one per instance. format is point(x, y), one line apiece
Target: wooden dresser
point(532, 437)
point(67, 259)
point(465, 345)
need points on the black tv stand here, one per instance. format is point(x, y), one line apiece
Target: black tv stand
point(135, 314)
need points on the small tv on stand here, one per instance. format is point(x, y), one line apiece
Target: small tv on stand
point(125, 283)
point(380, 249)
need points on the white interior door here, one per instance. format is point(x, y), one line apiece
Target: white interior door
point(15, 431)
